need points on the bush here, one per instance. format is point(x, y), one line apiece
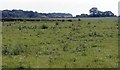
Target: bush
point(44, 26)
point(79, 19)
point(94, 45)
point(69, 20)
point(63, 20)
point(89, 23)
point(20, 28)
point(56, 23)
point(5, 51)
point(19, 49)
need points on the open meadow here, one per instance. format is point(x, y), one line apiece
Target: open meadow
point(60, 43)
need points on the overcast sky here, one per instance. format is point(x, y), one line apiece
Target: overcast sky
point(64, 6)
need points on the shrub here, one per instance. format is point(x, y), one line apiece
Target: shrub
point(94, 46)
point(74, 59)
point(79, 19)
point(89, 23)
point(63, 20)
point(20, 28)
point(56, 23)
point(69, 20)
point(44, 26)
point(19, 49)
point(5, 51)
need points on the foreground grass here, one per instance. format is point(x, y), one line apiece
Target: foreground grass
point(89, 43)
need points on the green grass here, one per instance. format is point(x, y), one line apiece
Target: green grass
point(89, 43)
point(0, 45)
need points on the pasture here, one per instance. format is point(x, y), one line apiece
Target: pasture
point(74, 43)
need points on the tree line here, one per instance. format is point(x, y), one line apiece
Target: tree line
point(31, 14)
point(93, 12)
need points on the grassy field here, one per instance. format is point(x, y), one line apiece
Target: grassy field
point(85, 43)
point(0, 45)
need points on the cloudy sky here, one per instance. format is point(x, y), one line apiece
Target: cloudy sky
point(64, 6)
